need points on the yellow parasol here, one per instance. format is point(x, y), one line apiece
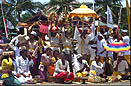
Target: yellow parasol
point(83, 11)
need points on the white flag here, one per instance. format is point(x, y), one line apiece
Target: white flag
point(76, 33)
point(9, 25)
point(109, 18)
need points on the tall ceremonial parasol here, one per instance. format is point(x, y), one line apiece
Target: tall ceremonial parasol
point(82, 12)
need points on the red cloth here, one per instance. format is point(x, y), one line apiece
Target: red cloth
point(34, 65)
point(43, 28)
point(64, 75)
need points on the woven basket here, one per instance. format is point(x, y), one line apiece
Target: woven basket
point(51, 78)
point(38, 80)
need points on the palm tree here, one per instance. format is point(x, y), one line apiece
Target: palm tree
point(60, 6)
point(17, 7)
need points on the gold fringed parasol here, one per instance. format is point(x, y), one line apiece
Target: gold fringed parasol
point(83, 11)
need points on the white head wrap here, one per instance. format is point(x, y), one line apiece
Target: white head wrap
point(33, 33)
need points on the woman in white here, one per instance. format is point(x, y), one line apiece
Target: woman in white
point(62, 71)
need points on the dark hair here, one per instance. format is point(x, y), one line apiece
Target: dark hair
point(48, 49)
point(21, 52)
point(55, 52)
point(21, 30)
point(5, 57)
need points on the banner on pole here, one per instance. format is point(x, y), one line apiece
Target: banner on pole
point(109, 18)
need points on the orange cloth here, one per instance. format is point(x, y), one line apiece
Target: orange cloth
point(51, 68)
point(102, 59)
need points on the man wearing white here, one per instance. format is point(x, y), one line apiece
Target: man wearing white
point(110, 40)
point(15, 72)
point(120, 66)
point(16, 48)
point(126, 40)
point(21, 38)
point(92, 44)
point(80, 65)
point(97, 66)
point(23, 67)
point(101, 43)
point(83, 40)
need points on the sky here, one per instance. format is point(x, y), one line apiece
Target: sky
point(123, 1)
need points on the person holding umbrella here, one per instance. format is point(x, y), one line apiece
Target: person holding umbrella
point(83, 40)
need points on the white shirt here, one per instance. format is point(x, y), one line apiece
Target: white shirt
point(20, 38)
point(23, 65)
point(126, 40)
point(110, 40)
point(121, 66)
point(74, 58)
point(60, 67)
point(17, 51)
point(85, 44)
point(15, 67)
point(78, 66)
point(97, 67)
point(100, 47)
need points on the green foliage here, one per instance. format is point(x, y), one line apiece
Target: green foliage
point(26, 16)
point(60, 6)
point(101, 8)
